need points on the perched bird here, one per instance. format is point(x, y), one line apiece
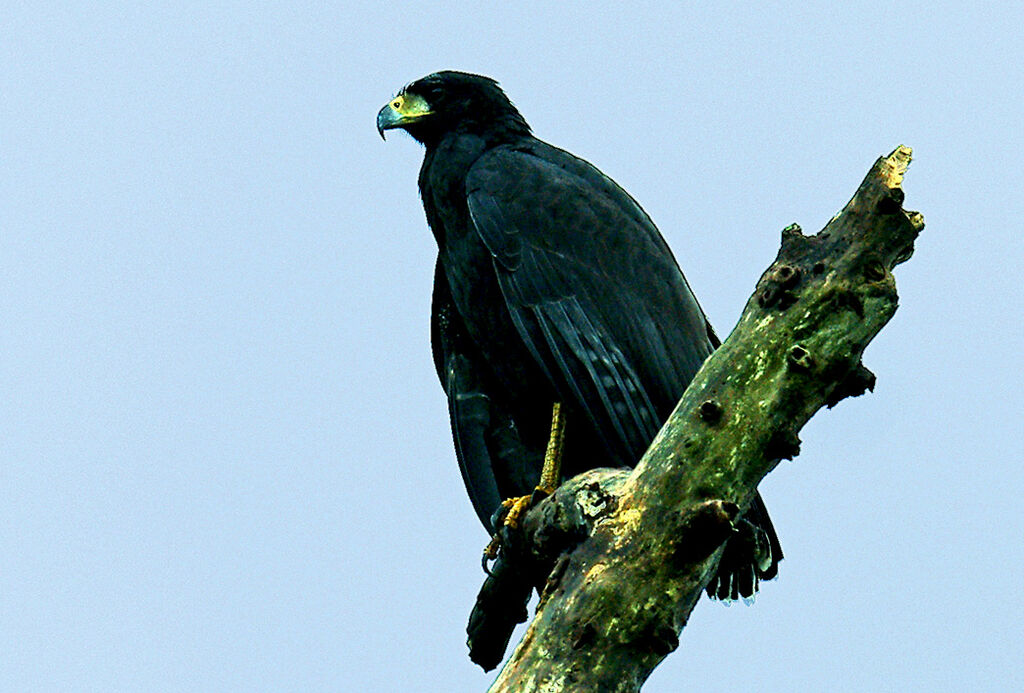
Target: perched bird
point(553, 291)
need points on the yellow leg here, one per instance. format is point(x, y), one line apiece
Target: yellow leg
point(551, 474)
point(550, 477)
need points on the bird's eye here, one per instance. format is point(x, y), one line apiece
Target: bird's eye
point(396, 104)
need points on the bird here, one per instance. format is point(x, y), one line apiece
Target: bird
point(559, 316)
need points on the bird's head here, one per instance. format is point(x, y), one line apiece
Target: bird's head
point(449, 101)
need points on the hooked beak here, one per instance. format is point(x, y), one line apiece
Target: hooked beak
point(387, 118)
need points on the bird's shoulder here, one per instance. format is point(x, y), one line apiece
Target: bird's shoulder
point(533, 195)
point(535, 171)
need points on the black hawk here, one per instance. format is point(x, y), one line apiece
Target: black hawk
point(552, 287)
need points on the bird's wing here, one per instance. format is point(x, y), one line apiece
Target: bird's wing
point(490, 455)
point(591, 288)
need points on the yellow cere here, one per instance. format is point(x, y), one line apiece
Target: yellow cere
point(410, 106)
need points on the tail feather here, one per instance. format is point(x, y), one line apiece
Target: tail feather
point(500, 606)
point(750, 556)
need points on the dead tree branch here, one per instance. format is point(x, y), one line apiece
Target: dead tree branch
point(623, 555)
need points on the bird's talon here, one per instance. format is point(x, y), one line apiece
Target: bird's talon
point(516, 508)
point(491, 552)
point(511, 510)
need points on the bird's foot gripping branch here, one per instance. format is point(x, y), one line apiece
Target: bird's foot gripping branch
point(621, 556)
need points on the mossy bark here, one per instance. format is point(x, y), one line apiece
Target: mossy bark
point(615, 602)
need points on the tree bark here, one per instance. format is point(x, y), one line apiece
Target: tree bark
point(627, 553)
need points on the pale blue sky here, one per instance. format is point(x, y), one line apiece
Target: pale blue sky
point(224, 456)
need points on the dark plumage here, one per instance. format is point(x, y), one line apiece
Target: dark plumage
point(552, 284)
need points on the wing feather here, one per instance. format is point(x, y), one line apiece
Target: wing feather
point(548, 230)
